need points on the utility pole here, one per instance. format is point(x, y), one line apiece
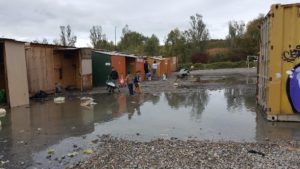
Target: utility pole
point(115, 37)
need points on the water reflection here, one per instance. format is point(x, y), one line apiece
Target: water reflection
point(239, 97)
point(227, 114)
point(32, 129)
point(196, 100)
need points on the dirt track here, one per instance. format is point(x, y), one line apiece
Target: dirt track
point(203, 79)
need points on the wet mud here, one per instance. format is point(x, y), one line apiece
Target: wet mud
point(206, 106)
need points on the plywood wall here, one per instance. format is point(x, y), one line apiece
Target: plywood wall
point(40, 64)
point(2, 71)
point(48, 66)
point(66, 68)
point(16, 74)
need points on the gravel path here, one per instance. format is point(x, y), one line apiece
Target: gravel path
point(118, 153)
point(174, 153)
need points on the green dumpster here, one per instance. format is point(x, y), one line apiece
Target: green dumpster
point(2, 96)
point(101, 64)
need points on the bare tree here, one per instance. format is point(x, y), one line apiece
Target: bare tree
point(236, 32)
point(44, 41)
point(96, 35)
point(56, 42)
point(66, 36)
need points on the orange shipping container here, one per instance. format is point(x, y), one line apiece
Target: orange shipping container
point(139, 66)
point(119, 63)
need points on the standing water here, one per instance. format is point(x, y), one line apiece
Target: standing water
point(29, 133)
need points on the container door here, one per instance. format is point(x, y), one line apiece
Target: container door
point(119, 63)
point(101, 66)
point(139, 66)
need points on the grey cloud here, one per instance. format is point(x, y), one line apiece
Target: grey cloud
point(36, 19)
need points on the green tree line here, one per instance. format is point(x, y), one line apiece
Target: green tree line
point(191, 45)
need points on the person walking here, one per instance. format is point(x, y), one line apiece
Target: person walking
point(154, 69)
point(114, 76)
point(137, 85)
point(146, 67)
point(129, 81)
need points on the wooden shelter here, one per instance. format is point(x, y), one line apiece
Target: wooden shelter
point(161, 65)
point(174, 64)
point(13, 78)
point(139, 67)
point(51, 65)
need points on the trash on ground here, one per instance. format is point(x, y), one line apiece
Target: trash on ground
point(164, 77)
point(40, 95)
point(87, 101)
point(58, 88)
point(256, 152)
point(2, 112)
point(20, 142)
point(59, 100)
point(73, 154)
point(51, 151)
point(88, 151)
point(86, 98)
point(4, 162)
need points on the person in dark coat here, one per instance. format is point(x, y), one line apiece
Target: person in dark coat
point(146, 67)
point(130, 81)
point(114, 76)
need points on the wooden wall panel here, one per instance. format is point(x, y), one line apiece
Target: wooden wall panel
point(40, 68)
point(2, 69)
point(16, 74)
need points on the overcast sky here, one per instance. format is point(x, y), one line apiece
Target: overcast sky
point(37, 19)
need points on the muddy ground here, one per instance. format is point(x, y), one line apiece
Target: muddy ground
point(203, 79)
point(176, 153)
point(208, 120)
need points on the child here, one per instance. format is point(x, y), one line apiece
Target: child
point(136, 81)
point(129, 81)
point(148, 75)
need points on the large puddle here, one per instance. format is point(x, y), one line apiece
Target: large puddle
point(229, 114)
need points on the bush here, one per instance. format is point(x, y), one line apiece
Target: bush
point(218, 58)
point(199, 58)
point(236, 55)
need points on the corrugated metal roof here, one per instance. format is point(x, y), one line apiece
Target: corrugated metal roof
point(71, 48)
point(116, 54)
point(11, 40)
point(42, 44)
point(157, 58)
